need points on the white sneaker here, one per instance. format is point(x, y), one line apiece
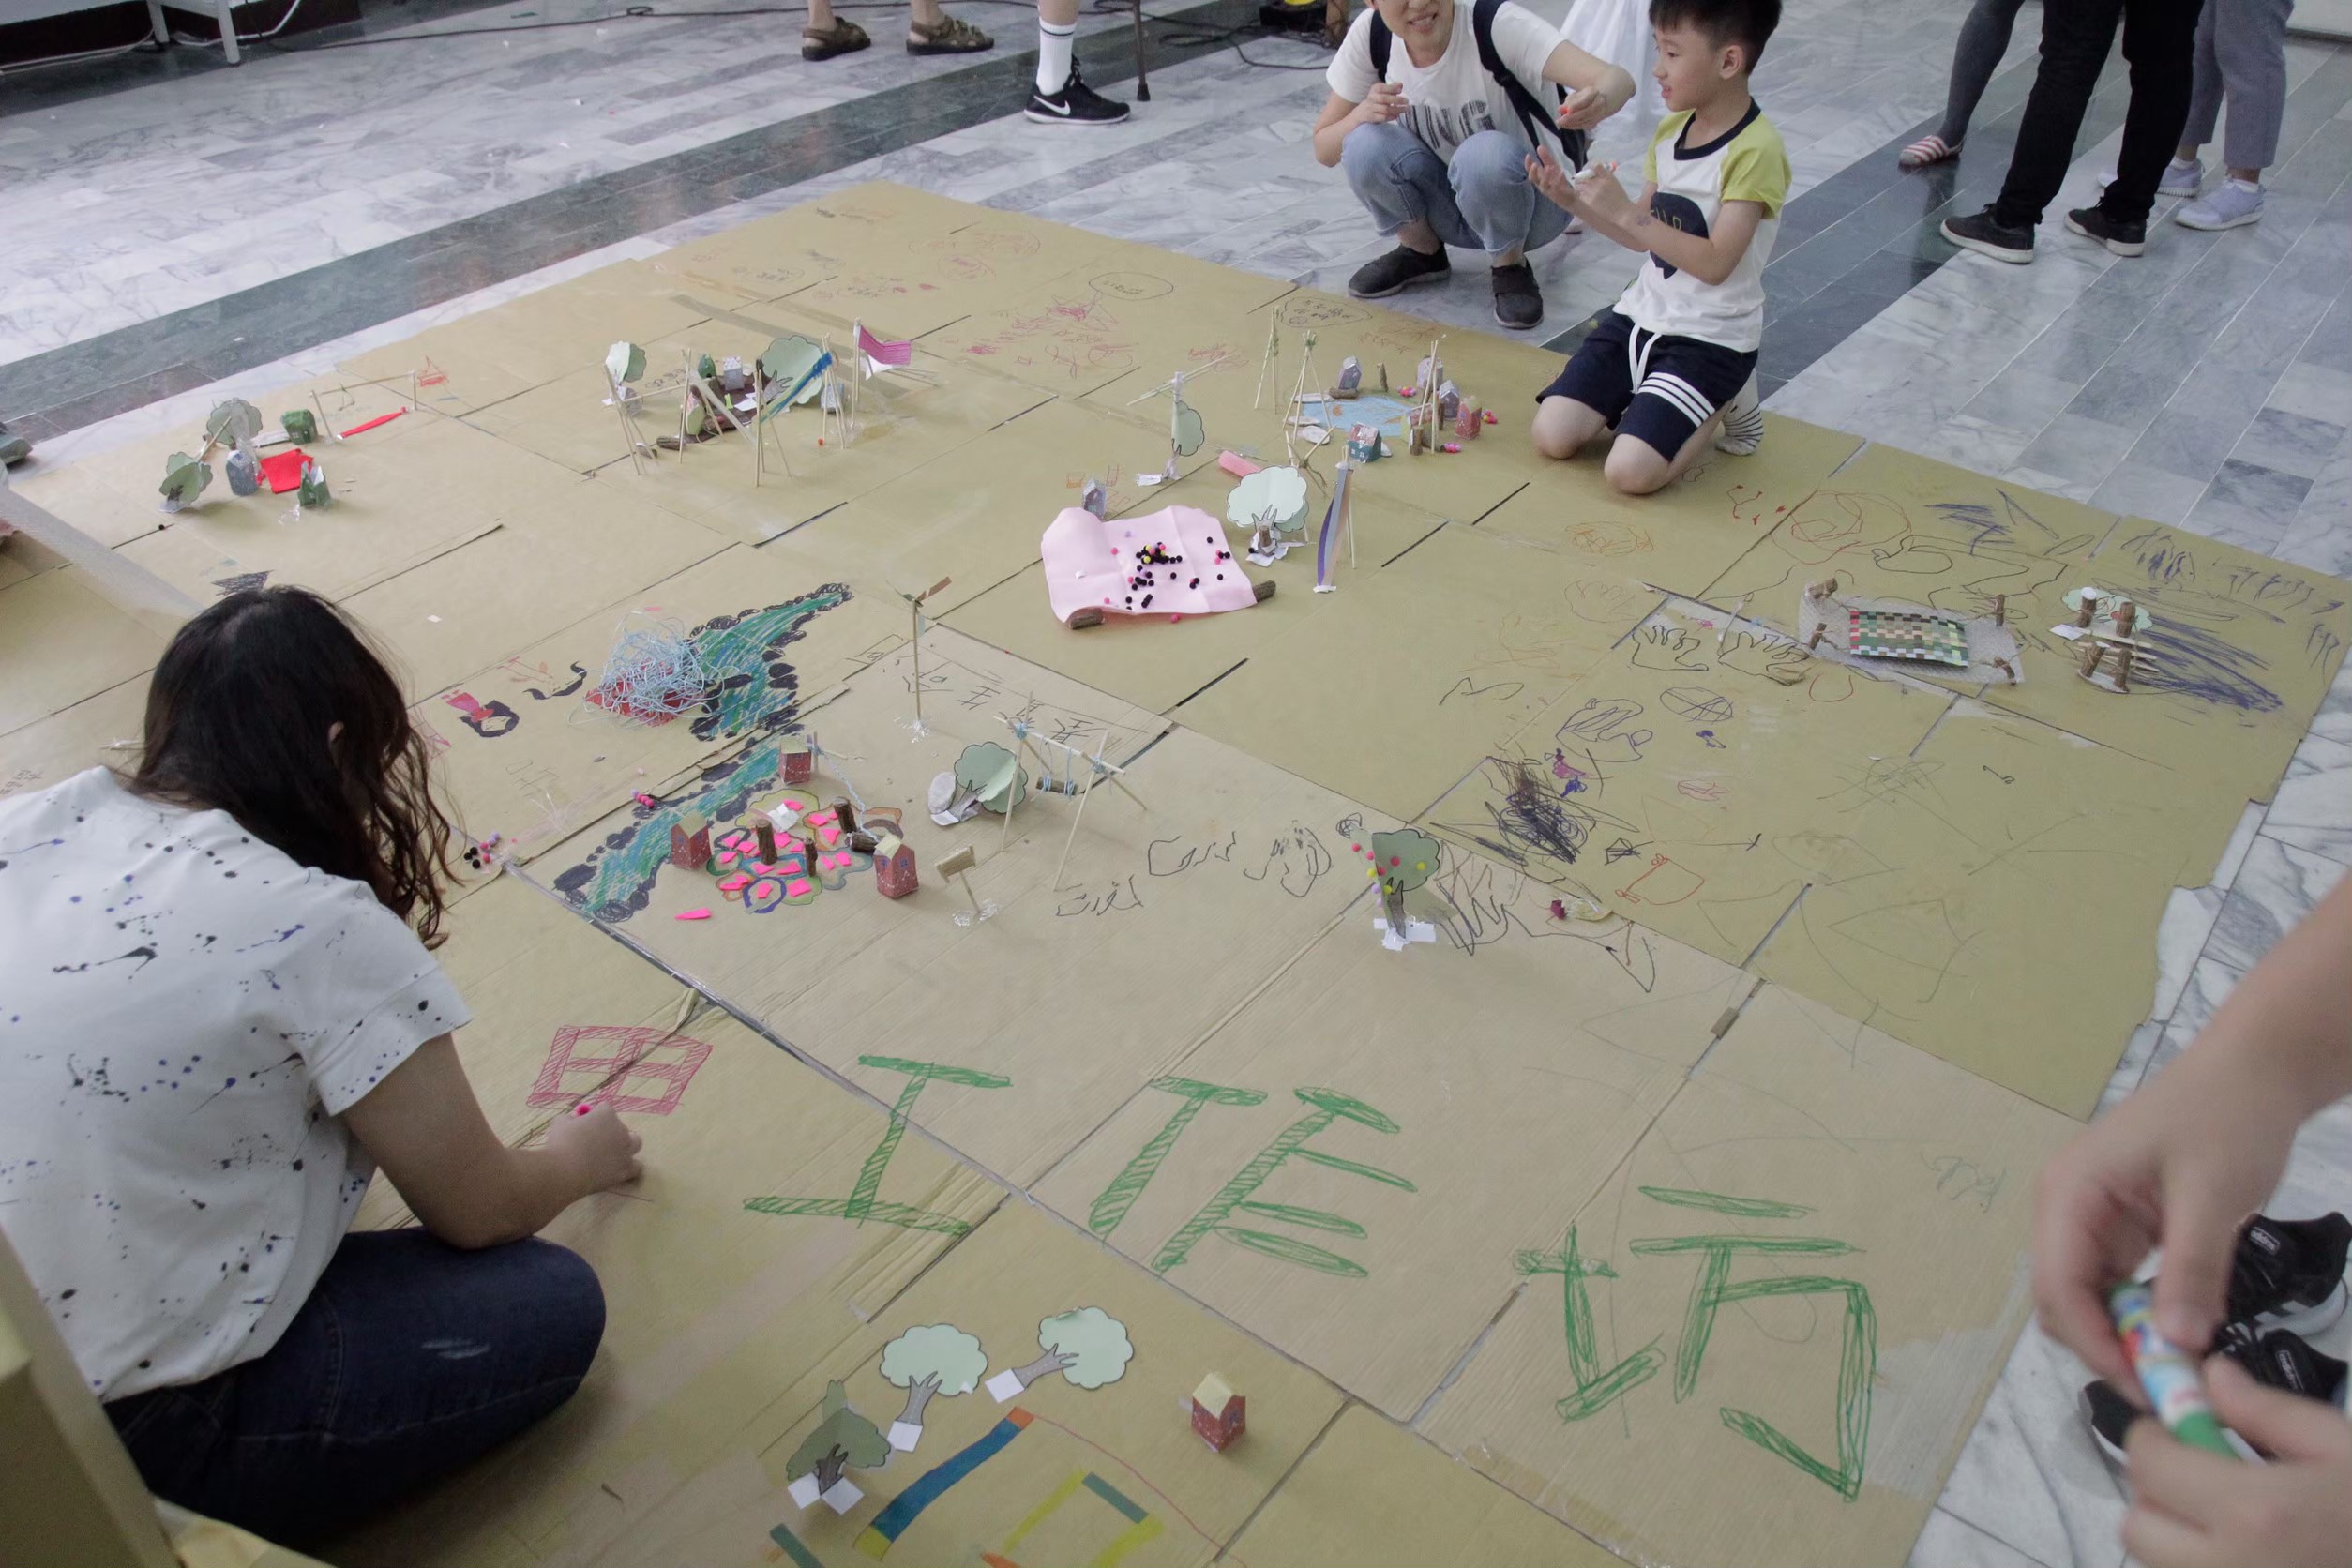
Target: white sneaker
point(1743, 430)
point(2233, 205)
point(2181, 179)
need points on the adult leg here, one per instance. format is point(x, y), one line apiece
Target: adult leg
point(1059, 96)
point(1983, 39)
point(932, 31)
point(1402, 183)
point(2250, 47)
point(2159, 44)
point(410, 1360)
point(2076, 35)
point(1510, 216)
point(2205, 87)
point(827, 36)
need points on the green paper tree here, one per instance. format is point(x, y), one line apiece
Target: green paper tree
point(994, 775)
point(234, 422)
point(623, 362)
point(938, 1359)
point(842, 1439)
point(1088, 1347)
point(183, 481)
point(1403, 860)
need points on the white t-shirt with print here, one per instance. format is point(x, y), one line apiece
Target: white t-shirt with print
point(1747, 163)
point(184, 1014)
point(1452, 100)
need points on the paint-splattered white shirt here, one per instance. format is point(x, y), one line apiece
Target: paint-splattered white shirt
point(185, 1015)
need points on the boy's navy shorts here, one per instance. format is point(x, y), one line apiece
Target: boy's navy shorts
point(1650, 385)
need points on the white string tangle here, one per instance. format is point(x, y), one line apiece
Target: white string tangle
point(653, 672)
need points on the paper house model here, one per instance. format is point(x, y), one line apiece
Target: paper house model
point(893, 866)
point(800, 760)
point(690, 841)
point(1217, 1412)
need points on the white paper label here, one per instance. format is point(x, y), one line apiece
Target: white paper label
point(904, 1434)
point(803, 1491)
point(841, 1496)
point(1005, 1385)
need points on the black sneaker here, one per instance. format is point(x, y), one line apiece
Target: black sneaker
point(1980, 233)
point(1076, 104)
point(1397, 271)
point(1518, 303)
point(2279, 1359)
point(14, 448)
point(2124, 239)
point(2288, 1273)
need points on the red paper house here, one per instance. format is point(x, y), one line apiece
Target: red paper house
point(690, 841)
point(1217, 1412)
point(893, 866)
point(800, 760)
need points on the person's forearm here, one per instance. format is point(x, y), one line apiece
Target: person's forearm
point(1617, 83)
point(1329, 139)
point(2289, 1022)
point(1696, 254)
point(530, 1188)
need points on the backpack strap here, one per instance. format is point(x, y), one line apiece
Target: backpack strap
point(1380, 41)
point(1533, 117)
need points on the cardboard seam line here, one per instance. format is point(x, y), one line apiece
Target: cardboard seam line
point(134, 590)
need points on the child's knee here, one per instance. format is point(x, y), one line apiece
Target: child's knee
point(1634, 467)
point(1560, 428)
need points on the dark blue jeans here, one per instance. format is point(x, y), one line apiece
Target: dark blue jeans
point(410, 1360)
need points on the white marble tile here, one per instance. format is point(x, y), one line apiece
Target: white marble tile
point(2313, 809)
point(2028, 1475)
point(2277, 886)
point(2130, 1071)
point(1951, 1542)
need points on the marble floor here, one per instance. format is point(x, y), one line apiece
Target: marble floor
point(2207, 383)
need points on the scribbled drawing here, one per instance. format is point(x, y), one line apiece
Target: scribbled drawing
point(1131, 286)
point(518, 673)
point(1601, 730)
point(1958, 1178)
point(1523, 645)
point(1778, 659)
point(1666, 881)
point(640, 1069)
point(1699, 789)
point(1305, 312)
point(1600, 600)
point(1502, 691)
point(241, 582)
point(1669, 648)
point(1747, 503)
point(1831, 683)
point(1141, 1526)
point(753, 689)
point(1712, 1289)
point(435, 742)
point(616, 881)
point(1696, 704)
point(1540, 815)
point(1297, 859)
point(1117, 895)
point(1610, 540)
point(1828, 858)
point(488, 720)
point(863, 1202)
point(1921, 935)
point(2187, 660)
point(1619, 850)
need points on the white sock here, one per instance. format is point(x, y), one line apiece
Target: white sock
point(2252, 187)
point(1054, 45)
point(1743, 429)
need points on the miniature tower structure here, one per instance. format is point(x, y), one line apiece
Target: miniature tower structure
point(1218, 1414)
point(894, 874)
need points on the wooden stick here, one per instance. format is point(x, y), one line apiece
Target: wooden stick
point(1726, 627)
point(915, 618)
point(1077, 817)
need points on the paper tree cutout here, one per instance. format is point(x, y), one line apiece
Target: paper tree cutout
point(624, 363)
point(1403, 859)
point(992, 775)
point(183, 481)
point(842, 1439)
point(1186, 429)
point(788, 361)
point(1170, 563)
point(936, 1360)
point(1092, 1345)
point(234, 422)
point(1271, 498)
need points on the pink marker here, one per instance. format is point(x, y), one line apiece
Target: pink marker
point(582, 1108)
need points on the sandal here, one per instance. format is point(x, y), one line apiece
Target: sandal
point(1926, 150)
point(951, 36)
point(824, 43)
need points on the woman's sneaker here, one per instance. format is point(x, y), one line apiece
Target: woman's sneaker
point(2288, 1273)
point(2233, 203)
point(2279, 1359)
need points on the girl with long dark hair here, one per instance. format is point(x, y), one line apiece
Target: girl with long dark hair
point(219, 1016)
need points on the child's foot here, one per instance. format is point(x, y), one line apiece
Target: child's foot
point(824, 43)
point(1076, 104)
point(1926, 150)
point(2182, 176)
point(1982, 234)
point(1518, 303)
point(1743, 429)
point(2123, 240)
point(949, 36)
point(1397, 271)
point(2234, 202)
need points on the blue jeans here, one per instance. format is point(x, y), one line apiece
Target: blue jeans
point(1482, 200)
point(410, 1358)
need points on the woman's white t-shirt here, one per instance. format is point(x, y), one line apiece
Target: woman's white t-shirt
point(184, 1014)
point(1449, 102)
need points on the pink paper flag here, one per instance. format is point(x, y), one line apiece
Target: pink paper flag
point(882, 352)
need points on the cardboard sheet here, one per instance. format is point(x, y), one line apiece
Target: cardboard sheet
point(775, 630)
point(1687, 535)
point(2242, 650)
point(905, 424)
point(712, 1309)
point(1128, 309)
point(1371, 1495)
point(1392, 689)
point(1235, 870)
point(62, 641)
point(1683, 784)
point(101, 730)
point(1338, 1165)
point(1766, 1338)
point(1155, 664)
point(1059, 1473)
point(480, 359)
point(975, 514)
point(1994, 899)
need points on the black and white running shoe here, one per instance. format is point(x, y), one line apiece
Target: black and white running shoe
point(2288, 1273)
point(1076, 104)
point(2279, 1359)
